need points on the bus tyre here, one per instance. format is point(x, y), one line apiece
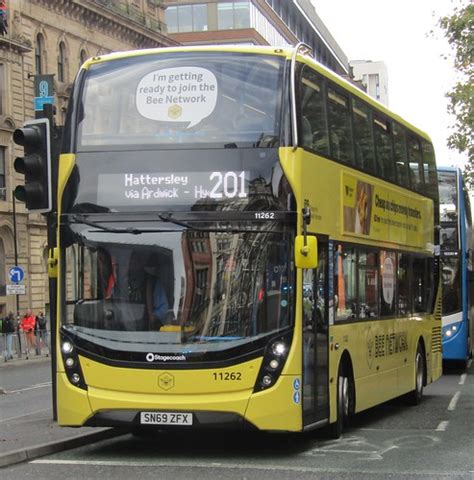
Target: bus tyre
point(414, 397)
point(345, 401)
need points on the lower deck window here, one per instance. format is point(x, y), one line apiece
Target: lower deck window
point(372, 283)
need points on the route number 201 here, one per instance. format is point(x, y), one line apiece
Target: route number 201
point(228, 184)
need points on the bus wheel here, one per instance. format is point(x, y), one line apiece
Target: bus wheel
point(345, 400)
point(414, 397)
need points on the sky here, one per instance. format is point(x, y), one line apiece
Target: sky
point(398, 34)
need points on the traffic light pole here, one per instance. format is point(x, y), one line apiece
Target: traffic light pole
point(15, 246)
point(51, 222)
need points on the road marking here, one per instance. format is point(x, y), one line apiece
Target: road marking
point(33, 387)
point(462, 380)
point(443, 426)
point(454, 401)
point(234, 466)
point(25, 415)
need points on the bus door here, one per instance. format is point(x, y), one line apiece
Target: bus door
point(315, 340)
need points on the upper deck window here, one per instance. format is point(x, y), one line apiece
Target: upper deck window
point(340, 127)
point(182, 98)
point(448, 196)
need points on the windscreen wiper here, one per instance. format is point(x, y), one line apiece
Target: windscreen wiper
point(168, 217)
point(81, 219)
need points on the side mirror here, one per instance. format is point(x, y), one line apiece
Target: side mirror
point(53, 255)
point(306, 251)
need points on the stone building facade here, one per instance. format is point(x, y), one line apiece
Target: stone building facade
point(52, 37)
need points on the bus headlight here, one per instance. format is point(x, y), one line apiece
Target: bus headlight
point(451, 330)
point(71, 362)
point(67, 347)
point(279, 349)
point(273, 362)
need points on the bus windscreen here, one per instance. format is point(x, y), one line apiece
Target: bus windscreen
point(190, 98)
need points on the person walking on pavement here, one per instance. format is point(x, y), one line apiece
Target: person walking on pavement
point(8, 330)
point(18, 333)
point(40, 332)
point(28, 326)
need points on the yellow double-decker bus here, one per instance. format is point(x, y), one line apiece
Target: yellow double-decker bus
point(244, 240)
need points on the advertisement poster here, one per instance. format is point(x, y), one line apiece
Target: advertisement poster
point(383, 213)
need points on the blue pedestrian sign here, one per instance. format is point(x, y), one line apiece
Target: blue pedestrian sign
point(16, 274)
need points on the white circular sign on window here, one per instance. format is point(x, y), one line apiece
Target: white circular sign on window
point(182, 94)
point(388, 280)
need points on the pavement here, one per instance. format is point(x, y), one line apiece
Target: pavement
point(31, 436)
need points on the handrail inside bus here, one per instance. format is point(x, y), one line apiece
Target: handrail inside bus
point(305, 49)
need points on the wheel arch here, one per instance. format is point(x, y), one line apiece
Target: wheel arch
point(421, 344)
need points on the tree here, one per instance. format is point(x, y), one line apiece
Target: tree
point(459, 30)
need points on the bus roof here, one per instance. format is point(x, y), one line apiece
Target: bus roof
point(448, 168)
point(286, 52)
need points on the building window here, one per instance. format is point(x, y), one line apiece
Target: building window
point(172, 19)
point(199, 18)
point(84, 56)
point(186, 18)
point(39, 53)
point(2, 88)
point(2, 268)
point(3, 189)
point(62, 62)
point(232, 15)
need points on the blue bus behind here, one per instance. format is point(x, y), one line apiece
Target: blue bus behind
point(456, 265)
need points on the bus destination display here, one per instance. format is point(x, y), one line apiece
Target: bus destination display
point(171, 187)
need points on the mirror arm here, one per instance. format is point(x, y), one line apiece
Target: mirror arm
point(306, 221)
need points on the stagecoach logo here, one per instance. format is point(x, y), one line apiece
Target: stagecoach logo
point(156, 357)
point(370, 347)
point(166, 381)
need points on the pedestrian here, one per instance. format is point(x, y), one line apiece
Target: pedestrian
point(18, 333)
point(41, 332)
point(8, 330)
point(28, 326)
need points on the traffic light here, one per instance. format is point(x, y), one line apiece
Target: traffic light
point(34, 137)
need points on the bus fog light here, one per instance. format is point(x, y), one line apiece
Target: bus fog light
point(274, 364)
point(279, 349)
point(267, 380)
point(75, 378)
point(454, 328)
point(67, 347)
point(448, 333)
point(70, 362)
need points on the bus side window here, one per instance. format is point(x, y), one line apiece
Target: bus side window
point(345, 283)
point(314, 129)
point(388, 276)
point(429, 169)
point(403, 287)
point(400, 155)
point(415, 164)
point(423, 279)
point(340, 130)
point(364, 140)
point(383, 148)
point(368, 284)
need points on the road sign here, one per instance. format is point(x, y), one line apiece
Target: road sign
point(16, 289)
point(16, 274)
point(44, 90)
